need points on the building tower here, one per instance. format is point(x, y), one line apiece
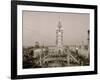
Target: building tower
point(88, 42)
point(59, 35)
point(88, 38)
point(36, 44)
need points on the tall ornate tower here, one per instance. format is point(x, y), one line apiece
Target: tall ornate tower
point(59, 35)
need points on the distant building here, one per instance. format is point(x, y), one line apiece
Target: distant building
point(36, 44)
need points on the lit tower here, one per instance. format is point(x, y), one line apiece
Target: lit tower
point(59, 35)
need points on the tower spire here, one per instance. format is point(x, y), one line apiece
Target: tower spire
point(59, 19)
point(59, 24)
point(59, 35)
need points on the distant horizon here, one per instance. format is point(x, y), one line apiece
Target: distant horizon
point(41, 27)
point(53, 45)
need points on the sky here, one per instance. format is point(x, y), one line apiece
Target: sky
point(41, 27)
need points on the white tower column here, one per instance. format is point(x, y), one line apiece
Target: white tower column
point(59, 36)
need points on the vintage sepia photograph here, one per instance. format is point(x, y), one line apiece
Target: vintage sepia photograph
point(55, 39)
